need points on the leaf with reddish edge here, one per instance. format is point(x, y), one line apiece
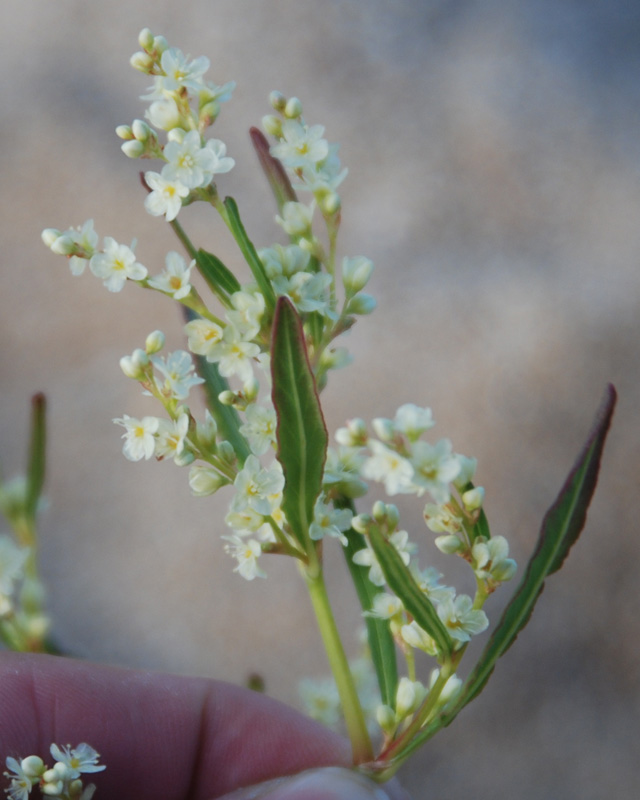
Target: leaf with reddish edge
point(301, 430)
point(276, 174)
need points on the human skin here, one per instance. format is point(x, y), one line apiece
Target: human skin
point(161, 736)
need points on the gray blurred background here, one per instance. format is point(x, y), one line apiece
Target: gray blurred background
point(494, 154)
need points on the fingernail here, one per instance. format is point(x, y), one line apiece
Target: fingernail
point(328, 783)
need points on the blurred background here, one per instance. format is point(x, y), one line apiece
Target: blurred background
point(494, 154)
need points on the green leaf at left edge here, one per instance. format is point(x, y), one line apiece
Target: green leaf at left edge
point(561, 527)
point(301, 431)
point(37, 454)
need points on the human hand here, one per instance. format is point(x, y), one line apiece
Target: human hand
point(164, 736)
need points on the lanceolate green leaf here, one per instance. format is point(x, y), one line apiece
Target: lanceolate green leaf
point(301, 431)
point(561, 527)
point(217, 275)
point(402, 583)
point(381, 644)
point(249, 252)
point(37, 448)
point(273, 169)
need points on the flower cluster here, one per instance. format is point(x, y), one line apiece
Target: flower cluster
point(62, 780)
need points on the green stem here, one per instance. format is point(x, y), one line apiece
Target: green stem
point(186, 241)
point(354, 718)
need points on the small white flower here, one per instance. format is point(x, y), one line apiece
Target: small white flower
point(179, 72)
point(116, 264)
point(329, 521)
point(442, 518)
point(389, 467)
point(287, 260)
point(246, 316)
point(170, 437)
point(178, 370)
point(175, 278)
point(203, 335)
point(164, 114)
point(234, 354)
point(413, 420)
point(320, 700)
point(306, 291)
point(435, 466)
point(300, 147)
point(385, 606)
point(491, 559)
point(139, 436)
point(165, 197)
point(21, 783)
point(461, 619)
point(296, 219)
point(193, 165)
point(255, 485)
point(82, 758)
point(246, 552)
point(260, 428)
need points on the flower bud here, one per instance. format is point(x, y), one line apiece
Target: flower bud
point(132, 149)
point(54, 789)
point(379, 511)
point(206, 432)
point(184, 458)
point(125, 132)
point(154, 342)
point(142, 62)
point(409, 695)
point(32, 766)
point(384, 428)
point(386, 718)
point(278, 101)
point(393, 516)
point(205, 480)
point(473, 498)
point(272, 125)
point(140, 358)
point(335, 358)
point(449, 544)
point(356, 273)
point(418, 638)
point(176, 135)
point(293, 108)
point(361, 522)
point(145, 39)
point(361, 304)
point(227, 398)
point(130, 369)
point(140, 130)
point(160, 44)
point(49, 236)
point(64, 245)
point(504, 570)
point(226, 452)
point(209, 112)
point(330, 203)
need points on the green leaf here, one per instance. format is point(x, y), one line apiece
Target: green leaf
point(37, 455)
point(216, 274)
point(561, 527)
point(381, 644)
point(403, 584)
point(249, 252)
point(301, 431)
point(273, 169)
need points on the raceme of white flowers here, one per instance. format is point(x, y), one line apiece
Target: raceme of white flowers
point(235, 336)
point(63, 780)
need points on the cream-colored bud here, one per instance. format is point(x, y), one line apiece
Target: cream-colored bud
point(145, 39)
point(125, 132)
point(154, 342)
point(330, 203)
point(64, 245)
point(160, 44)
point(226, 452)
point(361, 304)
point(132, 149)
point(129, 368)
point(473, 499)
point(408, 697)
point(356, 273)
point(49, 235)
point(272, 125)
point(278, 101)
point(184, 458)
point(361, 523)
point(205, 480)
point(140, 358)
point(140, 130)
point(504, 570)
point(32, 766)
point(386, 718)
point(227, 398)
point(209, 112)
point(379, 511)
point(449, 544)
point(176, 135)
point(142, 62)
point(393, 516)
point(293, 108)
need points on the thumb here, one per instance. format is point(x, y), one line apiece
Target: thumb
point(327, 783)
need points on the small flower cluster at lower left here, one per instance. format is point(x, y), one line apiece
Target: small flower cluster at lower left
point(62, 780)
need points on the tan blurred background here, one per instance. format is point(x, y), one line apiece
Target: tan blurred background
point(494, 159)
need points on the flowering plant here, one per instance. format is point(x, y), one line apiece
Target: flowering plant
point(262, 352)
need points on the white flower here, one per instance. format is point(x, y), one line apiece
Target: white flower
point(179, 73)
point(193, 165)
point(175, 278)
point(165, 197)
point(164, 114)
point(418, 638)
point(320, 700)
point(203, 336)
point(170, 436)
point(435, 466)
point(139, 436)
point(82, 758)
point(260, 428)
point(306, 291)
point(413, 420)
point(461, 619)
point(288, 260)
point(248, 308)
point(254, 485)
point(246, 552)
point(491, 559)
point(300, 146)
point(329, 521)
point(178, 371)
point(390, 467)
point(86, 240)
point(385, 606)
point(116, 264)
point(428, 581)
point(244, 522)
point(409, 695)
point(296, 219)
point(234, 354)
point(21, 783)
point(442, 518)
